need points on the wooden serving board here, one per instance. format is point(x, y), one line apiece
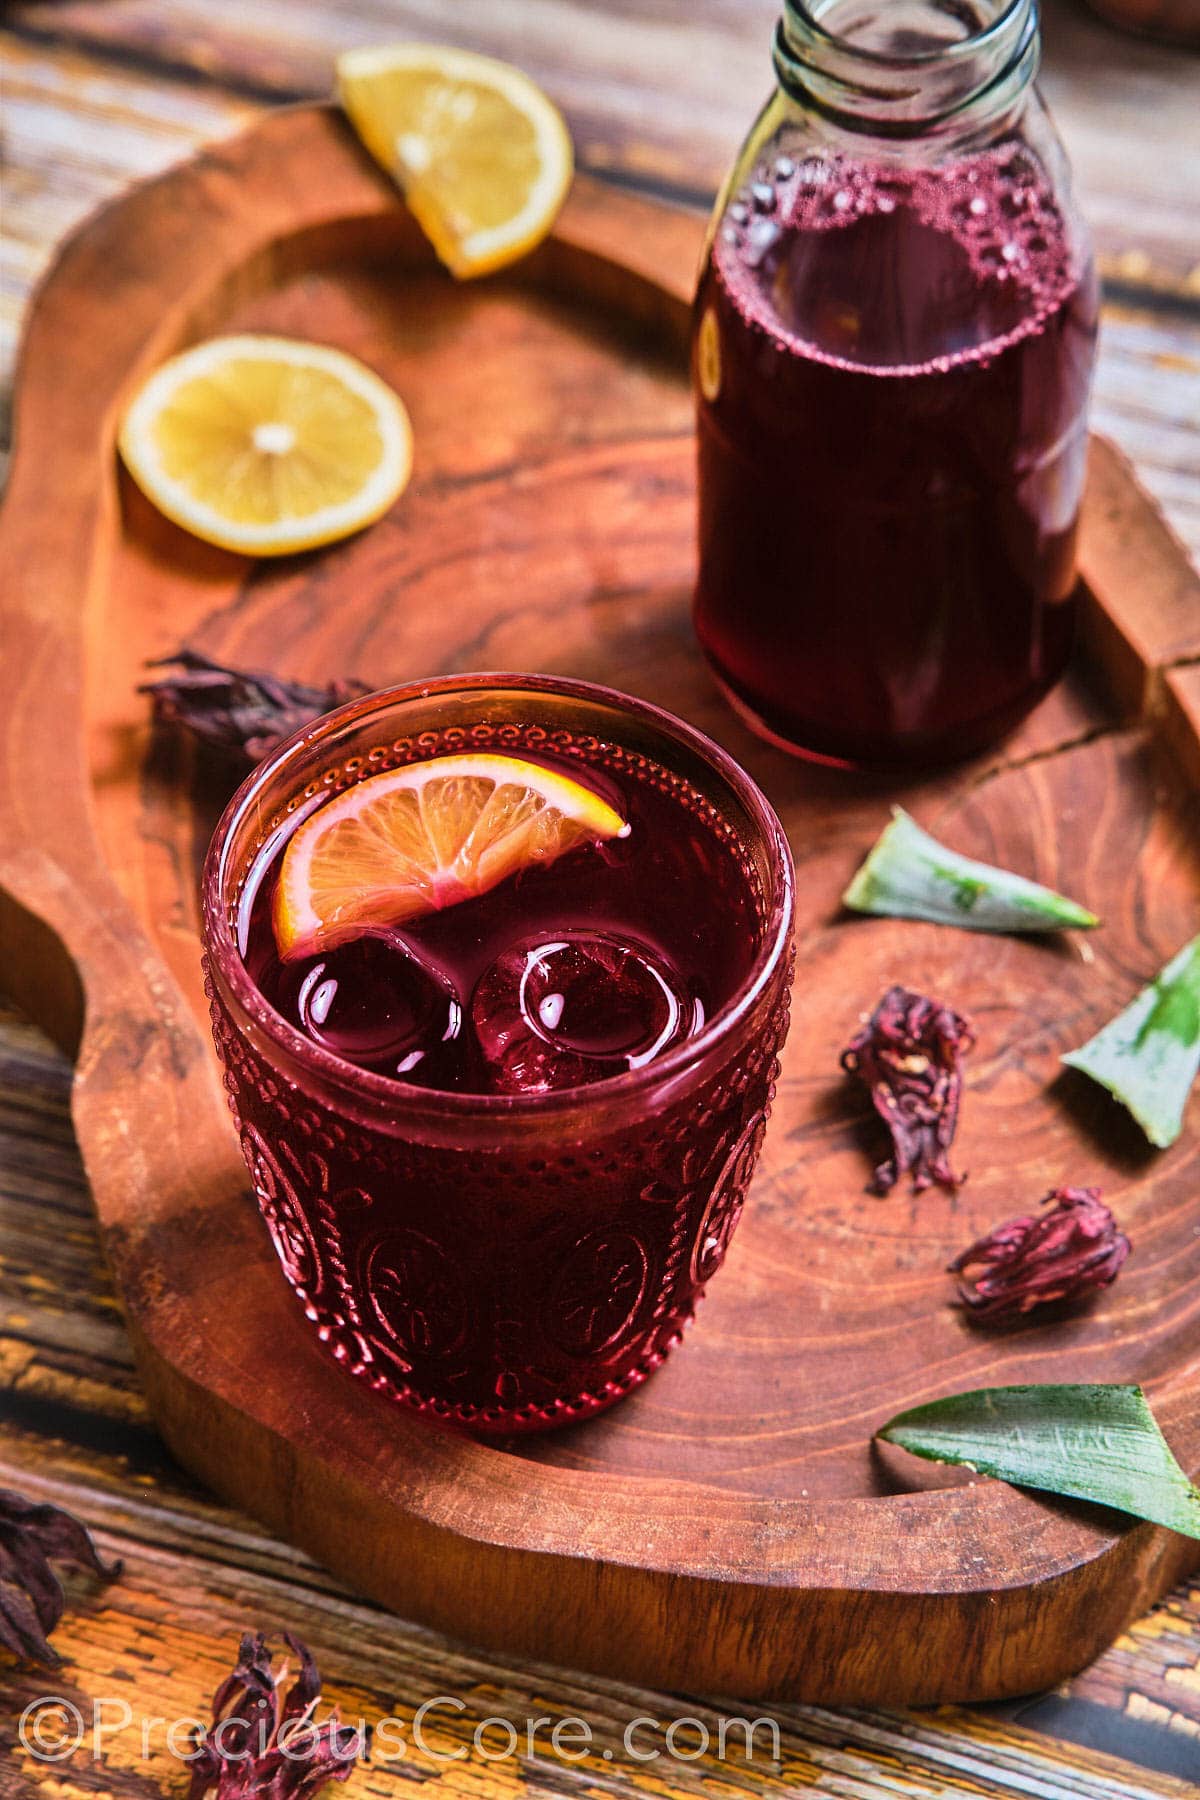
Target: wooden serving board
point(730, 1527)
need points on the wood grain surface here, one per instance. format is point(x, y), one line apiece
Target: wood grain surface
point(643, 107)
point(557, 533)
point(79, 121)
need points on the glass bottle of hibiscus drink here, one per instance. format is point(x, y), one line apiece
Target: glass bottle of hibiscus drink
point(499, 970)
point(893, 344)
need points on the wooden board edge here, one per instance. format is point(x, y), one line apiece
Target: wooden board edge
point(1141, 612)
point(1180, 719)
point(759, 1639)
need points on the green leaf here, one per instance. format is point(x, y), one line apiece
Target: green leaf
point(1149, 1055)
point(909, 875)
point(1092, 1442)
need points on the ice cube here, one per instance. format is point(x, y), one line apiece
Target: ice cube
point(560, 1012)
point(376, 1002)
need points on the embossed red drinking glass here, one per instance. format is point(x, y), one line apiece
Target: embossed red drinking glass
point(505, 1261)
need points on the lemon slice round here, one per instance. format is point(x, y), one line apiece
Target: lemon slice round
point(483, 156)
point(410, 841)
point(267, 445)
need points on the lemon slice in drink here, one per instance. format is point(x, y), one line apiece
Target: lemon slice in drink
point(483, 156)
point(410, 841)
point(267, 445)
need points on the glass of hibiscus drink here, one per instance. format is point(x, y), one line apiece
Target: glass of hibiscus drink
point(499, 969)
point(893, 344)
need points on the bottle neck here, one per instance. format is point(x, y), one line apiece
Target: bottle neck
point(946, 70)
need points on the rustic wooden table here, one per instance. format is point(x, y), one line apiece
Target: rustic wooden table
point(97, 93)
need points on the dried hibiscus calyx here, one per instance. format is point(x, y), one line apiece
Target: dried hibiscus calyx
point(909, 1055)
point(31, 1597)
point(243, 712)
point(1062, 1254)
point(263, 1744)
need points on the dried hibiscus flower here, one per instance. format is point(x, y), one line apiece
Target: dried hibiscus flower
point(243, 712)
point(1063, 1254)
point(31, 1596)
point(265, 1746)
point(909, 1054)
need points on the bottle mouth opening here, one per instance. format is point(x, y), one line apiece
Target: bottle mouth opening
point(907, 68)
point(910, 34)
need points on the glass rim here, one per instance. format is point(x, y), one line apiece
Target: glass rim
point(408, 1097)
point(801, 12)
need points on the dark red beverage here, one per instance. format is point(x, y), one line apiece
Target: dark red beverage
point(501, 1148)
point(561, 975)
point(892, 369)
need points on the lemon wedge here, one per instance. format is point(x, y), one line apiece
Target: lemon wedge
point(410, 841)
point(483, 156)
point(267, 445)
